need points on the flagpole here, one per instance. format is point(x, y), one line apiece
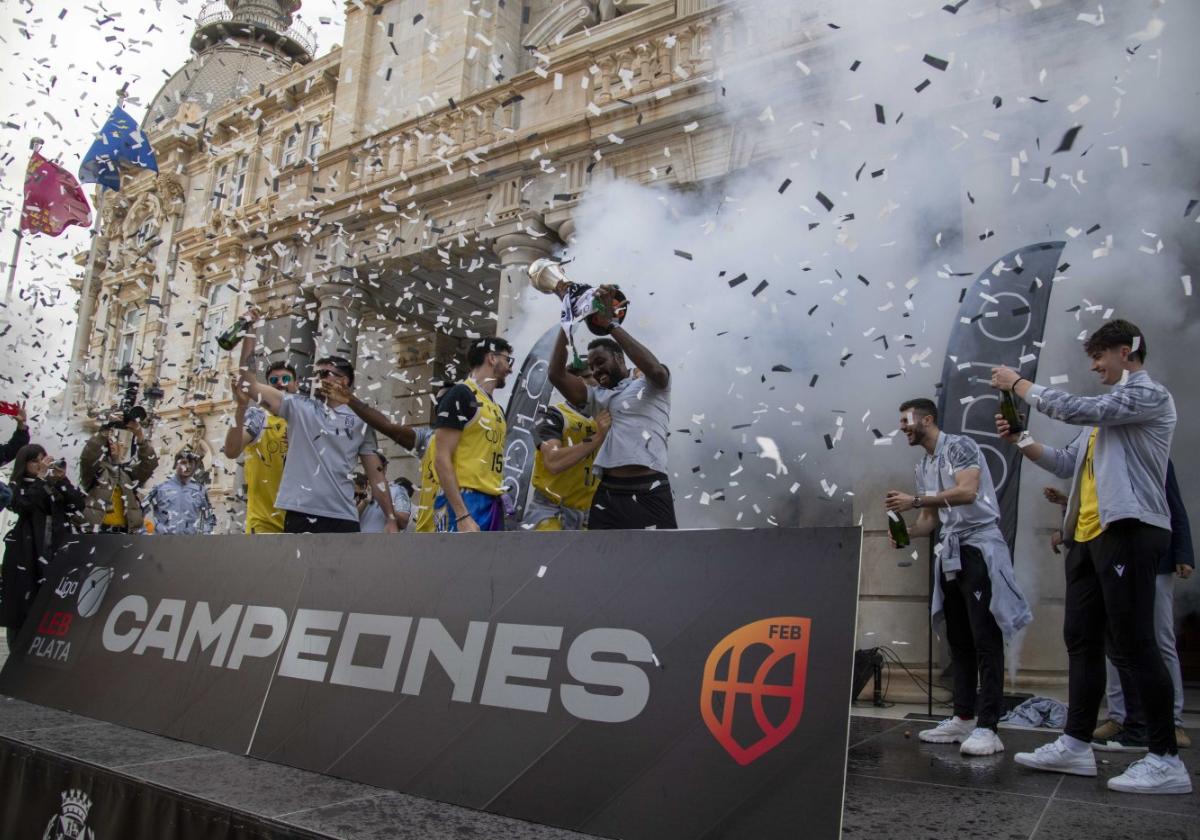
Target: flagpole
point(35, 145)
point(83, 332)
point(12, 266)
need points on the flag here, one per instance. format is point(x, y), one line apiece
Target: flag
point(53, 199)
point(120, 141)
point(1001, 320)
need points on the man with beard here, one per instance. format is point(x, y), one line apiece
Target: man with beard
point(316, 492)
point(974, 585)
point(468, 442)
point(263, 437)
point(1117, 528)
point(634, 491)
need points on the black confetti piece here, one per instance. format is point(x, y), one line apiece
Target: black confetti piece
point(825, 202)
point(762, 285)
point(737, 281)
point(781, 369)
point(935, 62)
point(787, 182)
point(1068, 139)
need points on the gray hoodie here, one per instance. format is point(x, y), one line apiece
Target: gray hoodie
point(1136, 420)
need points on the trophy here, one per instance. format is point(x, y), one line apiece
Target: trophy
point(580, 302)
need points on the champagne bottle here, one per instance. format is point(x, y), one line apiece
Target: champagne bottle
point(897, 529)
point(232, 336)
point(1008, 410)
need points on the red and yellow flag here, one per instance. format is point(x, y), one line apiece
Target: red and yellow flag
point(53, 199)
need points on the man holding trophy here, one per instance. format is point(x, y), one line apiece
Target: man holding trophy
point(634, 491)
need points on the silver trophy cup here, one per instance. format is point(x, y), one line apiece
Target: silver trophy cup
point(580, 300)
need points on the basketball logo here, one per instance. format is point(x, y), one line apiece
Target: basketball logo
point(752, 696)
point(91, 593)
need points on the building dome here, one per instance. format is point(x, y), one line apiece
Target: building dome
point(237, 46)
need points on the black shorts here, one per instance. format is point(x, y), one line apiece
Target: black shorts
point(307, 523)
point(643, 501)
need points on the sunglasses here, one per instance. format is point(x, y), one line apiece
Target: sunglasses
point(281, 379)
point(325, 373)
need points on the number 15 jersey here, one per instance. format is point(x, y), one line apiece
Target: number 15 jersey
point(479, 458)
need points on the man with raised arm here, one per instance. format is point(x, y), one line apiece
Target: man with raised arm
point(1117, 527)
point(263, 437)
point(325, 438)
point(634, 490)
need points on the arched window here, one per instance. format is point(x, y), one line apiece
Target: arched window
point(131, 328)
point(217, 316)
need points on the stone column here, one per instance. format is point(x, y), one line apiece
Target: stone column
point(516, 250)
point(566, 232)
point(338, 315)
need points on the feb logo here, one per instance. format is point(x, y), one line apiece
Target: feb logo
point(752, 696)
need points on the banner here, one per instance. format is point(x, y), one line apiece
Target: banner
point(531, 394)
point(633, 684)
point(1000, 322)
point(50, 796)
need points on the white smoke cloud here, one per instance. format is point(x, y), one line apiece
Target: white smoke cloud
point(871, 199)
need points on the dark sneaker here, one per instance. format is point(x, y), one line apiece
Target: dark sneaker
point(1125, 741)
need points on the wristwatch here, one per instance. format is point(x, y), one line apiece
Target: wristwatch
point(916, 501)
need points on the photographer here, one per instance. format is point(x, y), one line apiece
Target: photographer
point(116, 461)
point(8, 451)
point(47, 506)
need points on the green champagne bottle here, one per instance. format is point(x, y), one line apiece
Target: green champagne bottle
point(897, 529)
point(232, 336)
point(1008, 410)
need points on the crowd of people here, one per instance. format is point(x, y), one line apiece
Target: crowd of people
point(1127, 538)
point(312, 465)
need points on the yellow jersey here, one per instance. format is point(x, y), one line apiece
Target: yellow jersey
point(1087, 525)
point(574, 487)
point(263, 467)
point(423, 509)
point(479, 457)
point(115, 518)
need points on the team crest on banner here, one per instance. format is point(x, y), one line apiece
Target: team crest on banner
point(71, 823)
point(753, 691)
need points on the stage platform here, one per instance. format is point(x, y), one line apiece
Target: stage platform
point(896, 788)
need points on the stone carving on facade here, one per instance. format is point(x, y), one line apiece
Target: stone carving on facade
point(567, 18)
point(170, 191)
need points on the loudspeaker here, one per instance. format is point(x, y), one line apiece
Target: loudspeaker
point(867, 663)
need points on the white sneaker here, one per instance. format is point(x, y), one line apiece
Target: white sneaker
point(1057, 758)
point(982, 742)
point(1153, 774)
point(950, 731)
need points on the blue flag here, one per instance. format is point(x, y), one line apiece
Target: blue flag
point(119, 141)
